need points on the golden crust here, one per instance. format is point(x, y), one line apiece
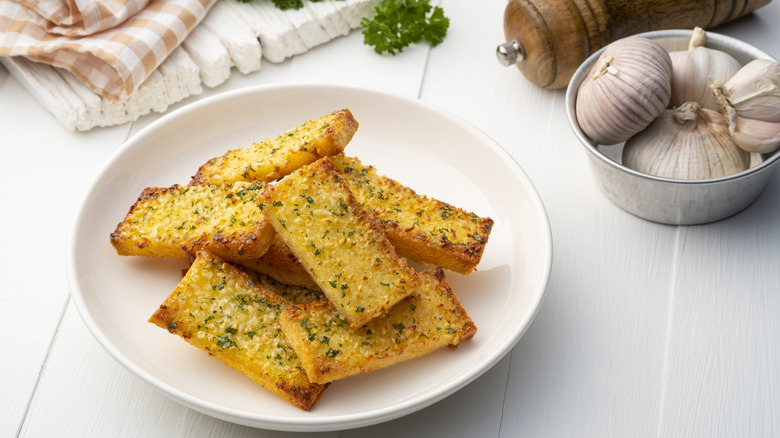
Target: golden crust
point(274, 158)
point(338, 242)
point(422, 229)
point(179, 221)
point(428, 320)
point(222, 311)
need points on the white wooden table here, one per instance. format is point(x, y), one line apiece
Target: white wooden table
point(646, 329)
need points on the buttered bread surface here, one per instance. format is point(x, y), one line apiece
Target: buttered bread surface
point(178, 221)
point(276, 157)
point(224, 312)
point(338, 242)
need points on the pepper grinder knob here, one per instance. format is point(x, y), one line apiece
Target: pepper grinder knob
point(510, 53)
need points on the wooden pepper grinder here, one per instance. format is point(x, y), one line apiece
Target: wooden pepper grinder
point(549, 39)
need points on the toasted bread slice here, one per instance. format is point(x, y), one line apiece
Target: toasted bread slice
point(422, 229)
point(222, 311)
point(282, 265)
point(276, 157)
point(338, 242)
point(429, 319)
point(179, 221)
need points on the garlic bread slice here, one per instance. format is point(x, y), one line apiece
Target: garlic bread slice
point(431, 318)
point(224, 312)
point(339, 243)
point(276, 157)
point(421, 228)
point(179, 221)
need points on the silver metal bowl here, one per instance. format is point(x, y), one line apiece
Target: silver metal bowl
point(666, 200)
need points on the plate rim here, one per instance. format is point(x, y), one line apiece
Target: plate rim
point(321, 424)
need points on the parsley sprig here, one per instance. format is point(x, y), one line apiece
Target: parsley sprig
point(396, 24)
point(400, 23)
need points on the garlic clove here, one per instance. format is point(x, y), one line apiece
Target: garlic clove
point(688, 142)
point(751, 96)
point(765, 108)
point(757, 135)
point(755, 90)
point(628, 87)
point(694, 69)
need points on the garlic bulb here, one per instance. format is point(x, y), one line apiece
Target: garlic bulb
point(694, 69)
point(628, 87)
point(688, 142)
point(750, 101)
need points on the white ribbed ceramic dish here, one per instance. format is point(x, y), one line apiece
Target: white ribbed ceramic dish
point(415, 143)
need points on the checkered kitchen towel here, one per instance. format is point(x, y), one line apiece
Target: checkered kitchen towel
point(110, 45)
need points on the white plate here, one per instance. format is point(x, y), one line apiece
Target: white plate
point(415, 143)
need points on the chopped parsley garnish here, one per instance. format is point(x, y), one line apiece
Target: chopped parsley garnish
point(225, 342)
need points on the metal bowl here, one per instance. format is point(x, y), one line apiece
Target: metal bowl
point(666, 200)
